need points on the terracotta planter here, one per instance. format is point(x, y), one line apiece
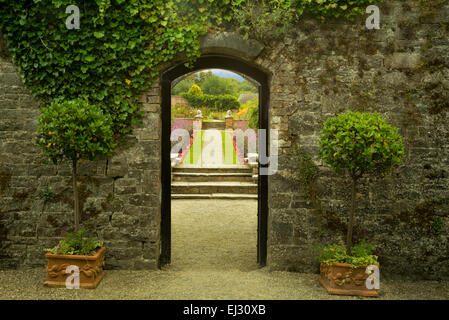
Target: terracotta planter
point(90, 269)
point(340, 278)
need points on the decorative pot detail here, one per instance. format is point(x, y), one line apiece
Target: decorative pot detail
point(90, 269)
point(340, 278)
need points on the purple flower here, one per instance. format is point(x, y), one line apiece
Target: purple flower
point(57, 239)
point(355, 237)
point(86, 217)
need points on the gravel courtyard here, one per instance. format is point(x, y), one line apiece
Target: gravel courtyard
point(214, 257)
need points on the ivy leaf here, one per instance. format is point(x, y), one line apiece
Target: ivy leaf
point(89, 58)
point(98, 34)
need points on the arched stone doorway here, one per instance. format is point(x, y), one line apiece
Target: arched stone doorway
point(209, 61)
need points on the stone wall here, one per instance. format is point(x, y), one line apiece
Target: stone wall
point(401, 71)
point(316, 71)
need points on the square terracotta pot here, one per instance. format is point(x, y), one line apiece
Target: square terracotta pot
point(90, 269)
point(341, 279)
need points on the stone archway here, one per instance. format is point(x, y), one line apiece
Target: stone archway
point(228, 43)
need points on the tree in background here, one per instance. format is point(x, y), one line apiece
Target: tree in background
point(214, 85)
point(182, 86)
point(246, 87)
point(186, 83)
point(201, 76)
point(253, 113)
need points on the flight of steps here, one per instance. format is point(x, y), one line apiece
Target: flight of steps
point(223, 182)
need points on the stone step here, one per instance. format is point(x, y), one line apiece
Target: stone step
point(212, 176)
point(178, 187)
point(213, 169)
point(227, 196)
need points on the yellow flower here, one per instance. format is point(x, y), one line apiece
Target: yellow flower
point(48, 145)
point(242, 112)
point(127, 81)
point(49, 132)
point(332, 249)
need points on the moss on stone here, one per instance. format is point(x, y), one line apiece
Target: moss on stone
point(5, 177)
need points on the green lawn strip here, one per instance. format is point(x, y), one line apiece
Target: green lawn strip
point(195, 150)
point(227, 145)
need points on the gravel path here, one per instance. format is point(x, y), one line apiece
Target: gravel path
point(214, 257)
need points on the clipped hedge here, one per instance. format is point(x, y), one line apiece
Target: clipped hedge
point(216, 103)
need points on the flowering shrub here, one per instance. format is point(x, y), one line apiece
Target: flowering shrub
point(183, 111)
point(195, 90)
point(241, 113)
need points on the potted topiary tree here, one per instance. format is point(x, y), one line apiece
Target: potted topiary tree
point(355, 144)
point(75, 130)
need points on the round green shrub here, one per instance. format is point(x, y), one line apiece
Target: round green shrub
point(75, 130)
point(360, 143)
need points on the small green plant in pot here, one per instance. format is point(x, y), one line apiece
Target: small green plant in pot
point(76, 243)
point(75, 130)
point(355, 144)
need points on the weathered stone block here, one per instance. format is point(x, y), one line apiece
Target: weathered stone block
point(403, 60)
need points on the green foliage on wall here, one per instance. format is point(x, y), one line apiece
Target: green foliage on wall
point(270, 18)
point(109, 60)
point(307, 172)
point(116, 52)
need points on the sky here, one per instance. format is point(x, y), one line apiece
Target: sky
point(225, 74)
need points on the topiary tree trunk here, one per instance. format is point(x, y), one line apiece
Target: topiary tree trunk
point(351, 215)
point(75, 195)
